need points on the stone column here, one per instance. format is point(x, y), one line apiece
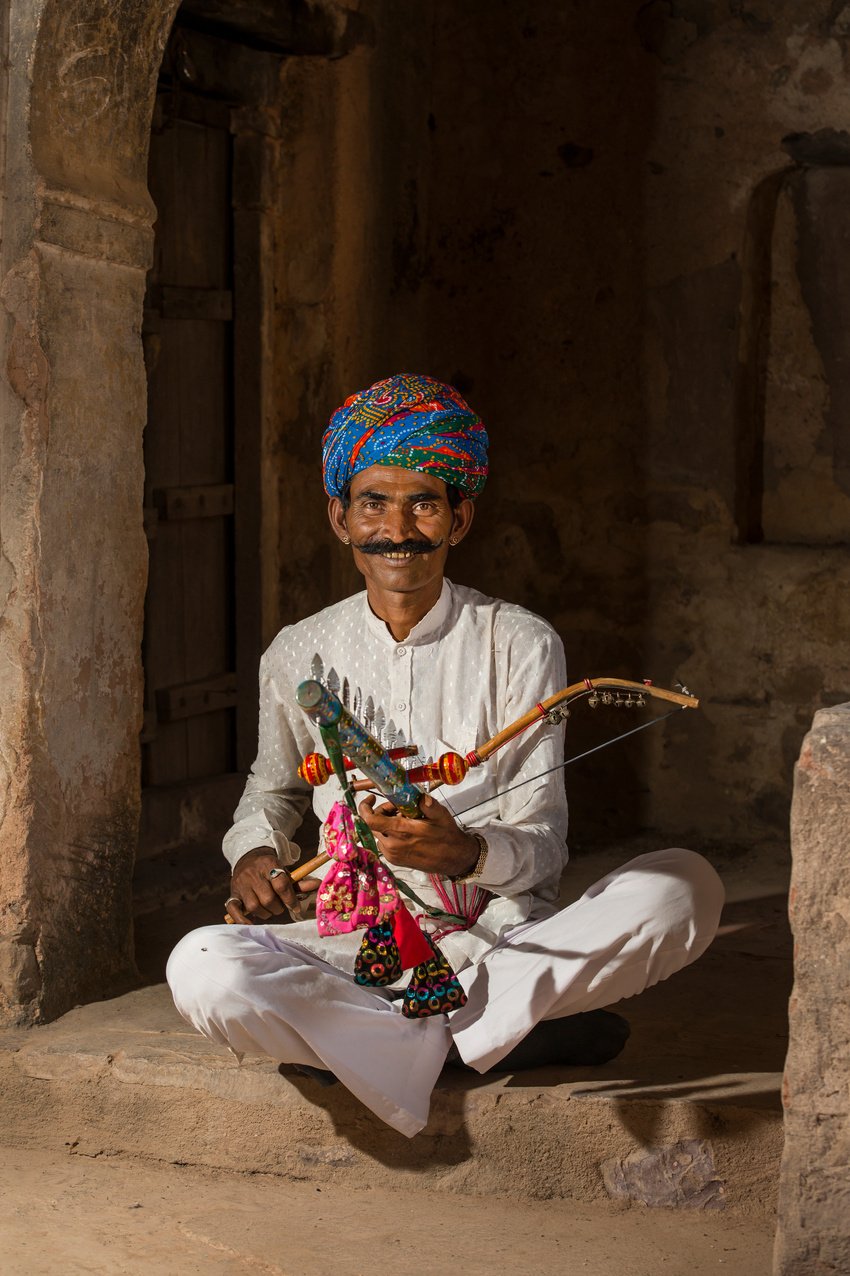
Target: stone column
point(73, 561)
point(814, 1200)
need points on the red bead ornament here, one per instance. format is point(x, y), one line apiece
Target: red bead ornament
point(452, 768)
point(315, 769)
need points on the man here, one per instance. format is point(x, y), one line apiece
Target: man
point(403, 463)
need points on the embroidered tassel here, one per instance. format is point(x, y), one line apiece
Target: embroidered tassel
point(358, 890)
point(377, 962)
point(434, 988)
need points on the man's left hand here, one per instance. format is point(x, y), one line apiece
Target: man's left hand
point(433, 844)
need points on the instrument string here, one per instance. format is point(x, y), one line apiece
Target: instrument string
point(577, 758)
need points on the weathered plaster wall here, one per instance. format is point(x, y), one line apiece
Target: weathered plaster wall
point(75, 251)
point(576, 213)
point(354, 172)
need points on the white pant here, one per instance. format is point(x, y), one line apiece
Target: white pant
point(252, 989)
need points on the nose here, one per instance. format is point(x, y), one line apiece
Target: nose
point(399, 522)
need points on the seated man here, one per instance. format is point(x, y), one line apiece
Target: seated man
point(403, 463)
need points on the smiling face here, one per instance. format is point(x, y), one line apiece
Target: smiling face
point(400, 523)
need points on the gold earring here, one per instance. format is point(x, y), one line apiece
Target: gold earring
point(346, 540)
point(453, 540)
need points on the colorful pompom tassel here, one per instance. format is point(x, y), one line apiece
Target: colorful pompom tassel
point(434, 988)
point(377, 962)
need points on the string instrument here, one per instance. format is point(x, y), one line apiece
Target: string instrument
point(400, 786)
point(323, 707)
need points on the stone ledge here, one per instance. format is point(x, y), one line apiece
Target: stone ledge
point(128, 1077)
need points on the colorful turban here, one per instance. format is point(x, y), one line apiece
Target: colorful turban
point(411, 421)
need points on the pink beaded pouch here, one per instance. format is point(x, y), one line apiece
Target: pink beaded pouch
point(357, 891)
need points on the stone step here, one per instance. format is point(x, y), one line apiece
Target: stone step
point(128, 1077)
point(689, 1115)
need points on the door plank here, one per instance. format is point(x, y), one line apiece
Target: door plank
point(215, 304)
point(212, 500)
point(206, 695)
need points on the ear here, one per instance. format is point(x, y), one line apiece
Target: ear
point(462, 521)
point(336, 514)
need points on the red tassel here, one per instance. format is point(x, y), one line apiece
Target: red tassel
point(413, 946)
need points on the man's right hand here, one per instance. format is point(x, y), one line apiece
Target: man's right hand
point(260, 894)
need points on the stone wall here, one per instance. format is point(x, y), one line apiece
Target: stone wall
point(617, 228)
point(814, 1201)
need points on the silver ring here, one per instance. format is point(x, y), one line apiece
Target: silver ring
point(276, 872)
point(233, 899)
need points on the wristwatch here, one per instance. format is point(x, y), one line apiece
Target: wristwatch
point(478, 867)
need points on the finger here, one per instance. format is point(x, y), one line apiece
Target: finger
point(252, 904)
point(400, 855)
point(391, 835)
point(235, 912)
point(283, 887)
point(397, 849)
point(267, 897)
point(369, 812)
point(274, 892)
point(386, 820)
point(309, 884)
point(434, 811)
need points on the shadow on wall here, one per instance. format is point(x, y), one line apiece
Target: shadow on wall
point(541, 121)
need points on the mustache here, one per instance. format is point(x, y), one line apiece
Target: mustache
point(404, 547)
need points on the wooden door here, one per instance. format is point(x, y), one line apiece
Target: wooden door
point(189, 651)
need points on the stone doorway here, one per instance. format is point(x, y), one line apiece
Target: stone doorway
point(201, 641)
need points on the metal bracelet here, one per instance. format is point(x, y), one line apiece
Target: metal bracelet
point(478, 867)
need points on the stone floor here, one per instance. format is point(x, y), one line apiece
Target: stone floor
point(688, 1116)
point(66, 1213)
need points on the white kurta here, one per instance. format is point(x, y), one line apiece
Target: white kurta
point(469, 667)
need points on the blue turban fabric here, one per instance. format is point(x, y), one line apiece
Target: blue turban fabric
point(411, 421)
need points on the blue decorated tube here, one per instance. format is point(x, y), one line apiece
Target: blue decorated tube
point(326, 709)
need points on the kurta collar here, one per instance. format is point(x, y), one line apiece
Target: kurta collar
point(425, 631)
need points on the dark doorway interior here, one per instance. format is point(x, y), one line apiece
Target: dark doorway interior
point(190, 680)
point(201, 624)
